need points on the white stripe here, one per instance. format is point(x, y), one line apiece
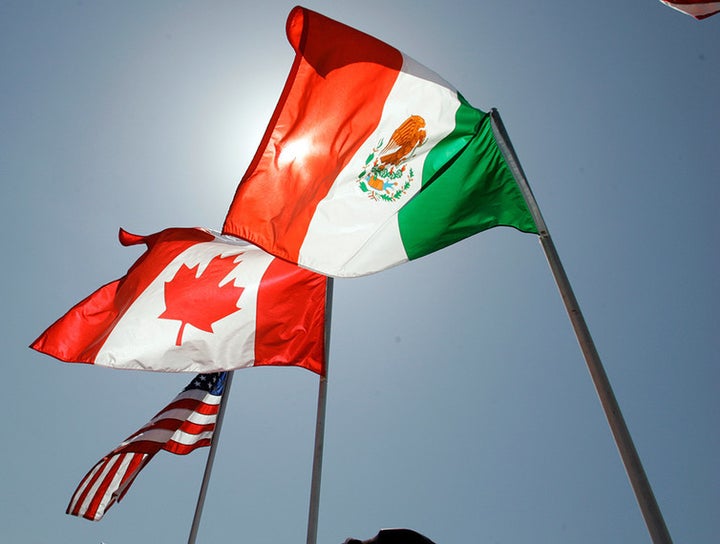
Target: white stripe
point(142, 341)
point(347, 217)
point(114, 484)
point(83, 485)
point(123, 463)
point(190, 439)
point(163, 436)
point(183, 414)
point(189, 414)
point(198, 394)
point(84, 506)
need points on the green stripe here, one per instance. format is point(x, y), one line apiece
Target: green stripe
point(467, 188)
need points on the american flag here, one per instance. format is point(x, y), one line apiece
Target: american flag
point(185, 424)
point(700, 9)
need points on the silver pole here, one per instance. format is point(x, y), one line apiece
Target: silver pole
point(314, 511)
point(210, 460)
point(638, 479)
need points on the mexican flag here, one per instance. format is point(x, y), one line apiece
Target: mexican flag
point(196, 301)
point(369, 160)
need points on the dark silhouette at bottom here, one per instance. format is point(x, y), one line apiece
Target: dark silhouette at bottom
point(393, 536)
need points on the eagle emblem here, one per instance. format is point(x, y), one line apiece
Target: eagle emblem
point(386, 175)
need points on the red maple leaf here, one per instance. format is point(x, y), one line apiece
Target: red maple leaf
point(199, 300)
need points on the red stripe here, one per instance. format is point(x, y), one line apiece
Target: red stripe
point(151, 447)
point(290, 322)
point(196, 405)
point(159, 420)
point(92, 508)
point(695, 3)
point(334, 96)
point(184, 449)
point(73, 505)
point(142, 446)
point(76, 510)
point(703, 8)
point(171, 425)
point(79, 509)
point(136, 465)
point(195, 428)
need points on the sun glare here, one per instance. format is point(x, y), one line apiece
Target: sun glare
point(296, 151)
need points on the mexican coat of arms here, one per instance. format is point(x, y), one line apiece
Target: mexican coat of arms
point(386, 175)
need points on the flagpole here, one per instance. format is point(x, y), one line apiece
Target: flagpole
point(210, 459)
point(314, 510)
point(633, 466)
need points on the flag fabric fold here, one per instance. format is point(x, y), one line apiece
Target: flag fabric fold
point(184, 425)
point(196, 301)
point(369, 160)
point(699, 9)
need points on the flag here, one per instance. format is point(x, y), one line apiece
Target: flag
point(196, 301)
point(696, 8)
point(369, 160)
point(187, 423)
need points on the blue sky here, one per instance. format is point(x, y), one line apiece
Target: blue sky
point(459, 403)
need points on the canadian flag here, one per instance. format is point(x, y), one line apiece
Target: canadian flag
point(196, 301)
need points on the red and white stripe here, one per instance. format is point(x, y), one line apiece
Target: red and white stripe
point(694, 8)
point(186, 424)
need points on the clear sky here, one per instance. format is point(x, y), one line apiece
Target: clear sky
point(459, 403)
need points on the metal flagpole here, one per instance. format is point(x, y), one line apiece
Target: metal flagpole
point(638, 479)
point(314, 511)
point(210, 459)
